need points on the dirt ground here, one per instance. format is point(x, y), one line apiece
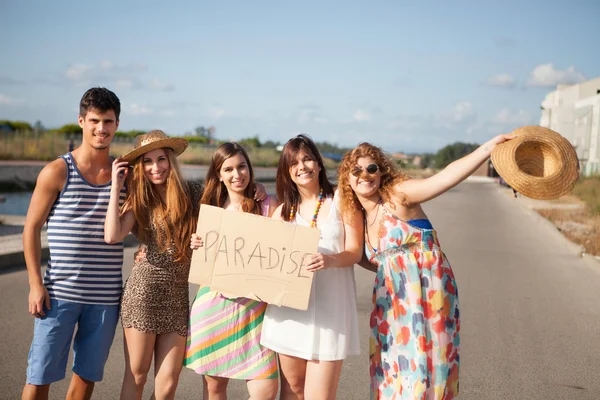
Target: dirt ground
point(571, 216)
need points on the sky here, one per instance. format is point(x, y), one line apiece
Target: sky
point(409, 76)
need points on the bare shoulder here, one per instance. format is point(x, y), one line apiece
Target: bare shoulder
point(273, 202)
point(277, 213)
point(53, 175)
point(50, 183)
point(408, 182)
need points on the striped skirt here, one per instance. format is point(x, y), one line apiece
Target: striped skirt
point(224, 338)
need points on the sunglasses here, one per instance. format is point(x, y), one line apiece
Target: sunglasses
point(371, 169)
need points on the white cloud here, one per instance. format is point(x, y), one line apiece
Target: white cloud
point(513, 118)
point(309, 113)
point(545, 75)
point(78, 72)
point(7, 100)
point(502, 80)
point(155, 84)
point(462, 111)
point(216, 113)
point(105, 64)
point(136, 109)
point(106, 73)
point(124, 84)
point(361, 116)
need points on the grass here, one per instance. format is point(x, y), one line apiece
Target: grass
point(47, 146)
point(42, 147)
point(580, 225)
point(588, 190)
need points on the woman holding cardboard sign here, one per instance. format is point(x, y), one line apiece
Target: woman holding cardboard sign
point(162, 208)
point(224, 333)
point(313, 343)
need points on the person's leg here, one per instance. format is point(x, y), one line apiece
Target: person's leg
point(80, 388)
point(36, 392)
point(293, 374)
point(322, 379)
point(169, 351)
point(262, 389)
point(95, 334)
point(336, 379)
point(139, 348)
point(49, 352)
point(216, 387)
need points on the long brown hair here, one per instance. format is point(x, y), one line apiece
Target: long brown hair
point(175, 214)
point(390, 176)
point(287, 191)
point(215, 192)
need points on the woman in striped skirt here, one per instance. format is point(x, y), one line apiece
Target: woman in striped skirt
point(224, 333)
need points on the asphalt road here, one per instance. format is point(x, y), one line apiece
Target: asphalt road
point(529, 310)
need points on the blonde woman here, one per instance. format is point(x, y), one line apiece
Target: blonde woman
point(161, 208)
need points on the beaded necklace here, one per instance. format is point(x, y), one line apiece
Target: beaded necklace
point(313, 223)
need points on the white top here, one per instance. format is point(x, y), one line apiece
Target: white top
point(328, 329)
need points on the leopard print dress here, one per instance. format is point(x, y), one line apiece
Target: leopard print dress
point(156, 294)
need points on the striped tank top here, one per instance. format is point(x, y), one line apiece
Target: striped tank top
point(82, 267)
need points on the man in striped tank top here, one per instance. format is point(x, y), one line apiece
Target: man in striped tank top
point(82, 284)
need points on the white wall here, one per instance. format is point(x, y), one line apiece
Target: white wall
point(574, 112)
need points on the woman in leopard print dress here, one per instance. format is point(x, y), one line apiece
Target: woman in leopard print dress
point(161, 208)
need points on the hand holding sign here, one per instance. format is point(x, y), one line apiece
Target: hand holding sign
point(196, 242)
point(317, 262)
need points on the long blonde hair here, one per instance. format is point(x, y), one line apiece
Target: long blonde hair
point(175, 214)
point(390, 177)
point(215, 192)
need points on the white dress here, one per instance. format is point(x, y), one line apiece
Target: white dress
point(328, 329)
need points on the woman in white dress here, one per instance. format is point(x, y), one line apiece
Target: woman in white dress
point(313, 343)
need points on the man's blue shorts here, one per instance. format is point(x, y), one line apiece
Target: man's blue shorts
point(52, 337)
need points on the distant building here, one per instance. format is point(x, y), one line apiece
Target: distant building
point(574, 112)
point(417, 161)
point(400, 156)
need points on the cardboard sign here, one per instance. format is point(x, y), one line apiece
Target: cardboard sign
point(246, 255)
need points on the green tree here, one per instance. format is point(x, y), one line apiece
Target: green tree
point(427, 161)
point(17, 125)
point(38, 126)
point(250, 142)
point(130, 134)
point(196, 139)
point(269, 144)
point(69, 129)
point(201, 131)
point(453, 152)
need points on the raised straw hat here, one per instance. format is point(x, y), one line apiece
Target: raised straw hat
point(539, 163)
point(155, 140)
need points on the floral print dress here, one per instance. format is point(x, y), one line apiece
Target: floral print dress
point(415, 324)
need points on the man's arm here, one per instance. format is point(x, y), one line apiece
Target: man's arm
point(50, 182)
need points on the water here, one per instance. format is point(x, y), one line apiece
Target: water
point(15, 203)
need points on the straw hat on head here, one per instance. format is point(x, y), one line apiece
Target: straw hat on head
point(538, 163)
point(155, 140)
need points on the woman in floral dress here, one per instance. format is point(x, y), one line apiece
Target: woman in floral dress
point(414, 345)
